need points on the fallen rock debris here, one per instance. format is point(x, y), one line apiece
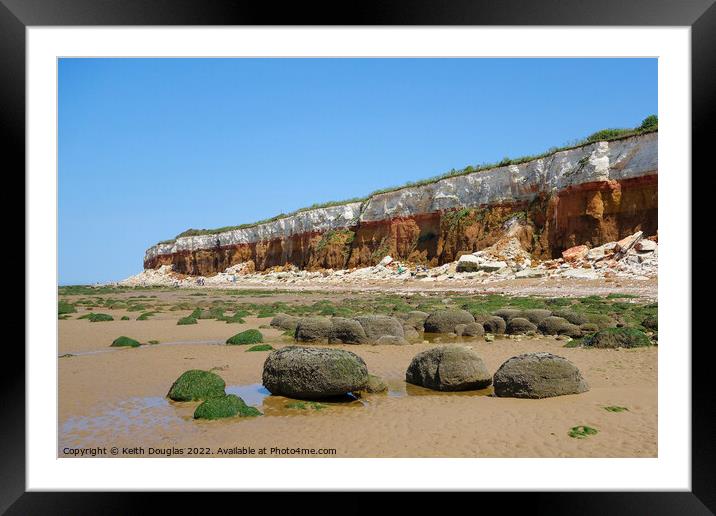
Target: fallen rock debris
point(633, 257)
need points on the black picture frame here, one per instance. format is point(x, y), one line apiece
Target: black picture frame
point(700, 15)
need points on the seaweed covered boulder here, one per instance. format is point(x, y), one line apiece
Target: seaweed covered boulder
point(448, 368)
point(588, 328)
point(520, 325)
point(538, 375)
point(224, 406)
point(469, 330)
point(311, 329)
point(246, 337)
point(411, 334)
point(445, 321)
point(313, 373)
point(492, 323)
point(125, 342)
point(617, 338)
point(376, 326)
point(508, 313)
point(284, 322)
point(559, 326)
point(414, 318)
point(536, 315)
point(572, 316)
point(196, 384)
point(347, 331)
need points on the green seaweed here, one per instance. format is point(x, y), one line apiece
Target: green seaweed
point(246, 337)
point(125, 342)
point(224, 406)
point(196, 384)
point(582, 431)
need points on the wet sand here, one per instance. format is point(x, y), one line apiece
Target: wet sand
point(115, 397)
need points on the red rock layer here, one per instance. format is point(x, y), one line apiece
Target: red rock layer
point(589, 213)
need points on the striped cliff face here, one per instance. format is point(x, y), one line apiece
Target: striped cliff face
point(592, 194)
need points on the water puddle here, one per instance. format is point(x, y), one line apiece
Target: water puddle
point(143, 346)
point(138, 418)
point(253, 394)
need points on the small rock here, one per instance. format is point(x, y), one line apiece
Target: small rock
point(574, 253)
point(468, 263)
point(645, 245)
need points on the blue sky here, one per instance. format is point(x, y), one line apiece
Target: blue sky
point(151, 147)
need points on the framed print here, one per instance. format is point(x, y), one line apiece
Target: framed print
point(296, 251)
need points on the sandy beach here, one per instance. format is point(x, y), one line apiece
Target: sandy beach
point(115, 397)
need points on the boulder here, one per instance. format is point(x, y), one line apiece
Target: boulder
point(448, 368)
point(313, 373)
point(195, 385)
point(575, 253)
point(645, 246)
point(617, 338)
point(310, 329)
point(444, 321)
point(387, 260)
point(588, 328)
point(601, 252)
point(538, 375)
point(375, 326)
point(472, 330)
point(507, 313)
point(285, 322)
point(559, 326)
point(414, 318)
point(347, 331)
point(125, 341)
point(520, 325)
point(492, 323)
point(623, 245)
point(229, 405)
point(570, 316)
point(530, 273)
point(536, 315)
point(411, 334)
point(493, 266)
point(468, 263)
point(251, 336)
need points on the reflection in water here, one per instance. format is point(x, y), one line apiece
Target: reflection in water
point(120, 420)
point(253, 394)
